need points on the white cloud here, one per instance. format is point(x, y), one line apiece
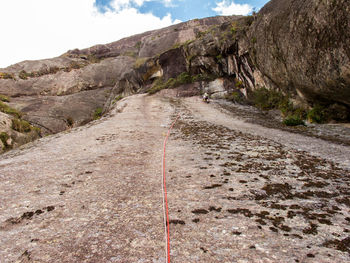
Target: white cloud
point(120, 4)
point(38, 29)
point(227, 8)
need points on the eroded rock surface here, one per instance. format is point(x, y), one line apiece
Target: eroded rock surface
point(236, 191)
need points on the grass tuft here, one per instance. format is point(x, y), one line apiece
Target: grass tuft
point(8, 110)
point(4, 137)
point(21, 126)
point(4, 75)
point(4, 98)
point(293, 121)
point(98, 113)
point(118, 98)
point(317, 114)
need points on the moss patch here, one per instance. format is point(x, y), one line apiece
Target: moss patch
point(139, 62)
point(118, 98)
point(293, 121)
point(317, 114)
point(266, 99)
point(21, 125)
point(98, 113)
point(235, 96)
point(8, 110)
point(4, 137)
point(4, 98)
point(4, 75)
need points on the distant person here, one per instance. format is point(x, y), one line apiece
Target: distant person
point(206, 97)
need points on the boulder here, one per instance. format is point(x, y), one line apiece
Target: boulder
point(304, 47)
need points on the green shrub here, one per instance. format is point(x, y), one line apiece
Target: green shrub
point(23, 74)
point(219, 57)
point(75, 65)
point(233, 30)
point(234, 96)
point(265, 99)
point(37, 130)
point(98, 113)
point(70, 121)
point(316, 114)
point(286, 106)
point(186, 43)
point(139, 62)
point(204, 77)
point(300, 112)
point(248, 20)
point(4, 75)
point(118, 98)
point(176, 45)
point(130, 53)
point(8, 110)
point(238, 83)
point(93, 59)
point(261, 99)
point(53, 70)
point(293, 121)
point(4, 137)
point(200, 34)
point(158, 85)
point(183, 78)
point(138, 44)
point(4, 98)
point(190, 57)
point(21, 125)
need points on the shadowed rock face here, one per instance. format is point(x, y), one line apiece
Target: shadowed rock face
point(305, 46)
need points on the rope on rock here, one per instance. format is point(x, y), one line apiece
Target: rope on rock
point(165, 198)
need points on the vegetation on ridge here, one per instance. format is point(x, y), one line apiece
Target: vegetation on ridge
point(98, 113)
point(4, 75)
point(4, 98)
point(265, 99)
point(4, 138)
point(17, 124)
point(8, 110)
point(183, 78)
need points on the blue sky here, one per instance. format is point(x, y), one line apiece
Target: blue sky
point(38, 29)
point(181, 9)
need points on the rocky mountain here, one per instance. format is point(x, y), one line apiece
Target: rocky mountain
point(297, 48)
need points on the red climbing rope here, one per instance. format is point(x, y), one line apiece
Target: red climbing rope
point(165, 199)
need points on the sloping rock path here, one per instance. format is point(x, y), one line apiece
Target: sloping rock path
point(237, 192)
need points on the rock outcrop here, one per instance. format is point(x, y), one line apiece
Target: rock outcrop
point(55, 94)
point(304, 47)
point(15, 132)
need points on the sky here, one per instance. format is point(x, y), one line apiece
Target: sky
point(38, 29)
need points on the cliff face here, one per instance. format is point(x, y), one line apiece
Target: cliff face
point(300, 48)
point(304, 47)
